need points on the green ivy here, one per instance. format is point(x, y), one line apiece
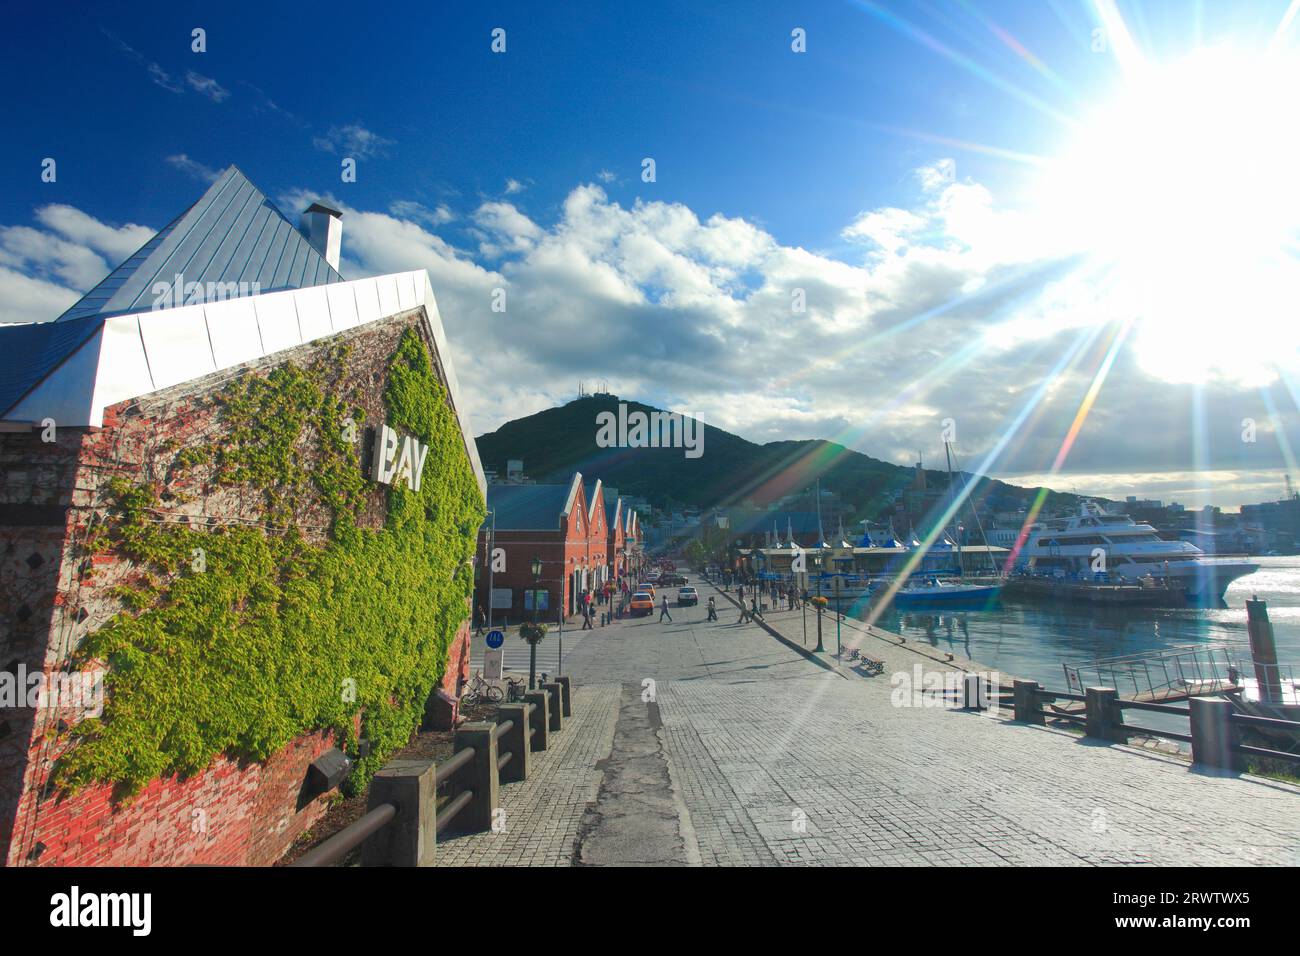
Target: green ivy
point(272, 636)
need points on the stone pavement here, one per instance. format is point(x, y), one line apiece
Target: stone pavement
point(718, 744)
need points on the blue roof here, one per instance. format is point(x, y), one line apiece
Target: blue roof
point(30, 352)
point(800, 522)
point(527, 507)
point(233, 234)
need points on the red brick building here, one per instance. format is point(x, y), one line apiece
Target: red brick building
point(120, 389)
point(565, 527)
point(615, 539)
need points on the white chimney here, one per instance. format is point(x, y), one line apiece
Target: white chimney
point(322, 225)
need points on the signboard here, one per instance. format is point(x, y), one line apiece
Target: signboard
point(539, 600)
point(495, 639)
point(502, 599)
point(492, 664)
point(398, 458)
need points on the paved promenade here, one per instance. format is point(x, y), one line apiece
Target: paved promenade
point(696, 743)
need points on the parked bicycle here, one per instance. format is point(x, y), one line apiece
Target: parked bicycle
point(516, 688)
point(480, 689)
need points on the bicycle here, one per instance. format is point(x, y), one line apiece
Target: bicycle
point(516, 688)
point(479, 689)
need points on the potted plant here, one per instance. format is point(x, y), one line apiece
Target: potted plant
point(532, 632)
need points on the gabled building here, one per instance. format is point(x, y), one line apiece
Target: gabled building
point(217, 466)
point(615, 542)
point(536, 547)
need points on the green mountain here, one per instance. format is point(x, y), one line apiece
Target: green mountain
point(730, 471)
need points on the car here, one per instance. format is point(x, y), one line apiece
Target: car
point(648, 588)
point(642, 603)
point(687, 596)
point(673, 580)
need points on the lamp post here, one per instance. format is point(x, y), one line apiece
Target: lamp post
point(839, 616)
point(492, 544)
point(532, 645)
point(817, 563)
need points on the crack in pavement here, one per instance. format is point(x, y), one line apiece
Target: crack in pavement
point(638, 817)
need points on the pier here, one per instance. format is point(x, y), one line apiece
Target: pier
point(740, 744)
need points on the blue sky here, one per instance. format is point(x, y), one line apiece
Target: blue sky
point(894, 171)
point(736, 123)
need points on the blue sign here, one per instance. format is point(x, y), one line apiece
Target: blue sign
point(495, 639)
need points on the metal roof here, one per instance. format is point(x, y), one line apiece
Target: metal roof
point(528, 507)
point(233, 234)
point(28, 352)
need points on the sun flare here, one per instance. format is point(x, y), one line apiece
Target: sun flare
point(1185, 188)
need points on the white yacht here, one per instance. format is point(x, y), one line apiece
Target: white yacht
point(1128, 550)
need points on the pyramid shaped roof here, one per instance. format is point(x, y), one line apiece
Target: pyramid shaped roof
point(233, 236)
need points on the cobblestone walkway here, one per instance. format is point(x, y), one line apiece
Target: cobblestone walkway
point(771, 759)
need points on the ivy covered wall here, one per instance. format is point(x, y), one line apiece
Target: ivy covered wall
point(262, 588)
point(238, 639)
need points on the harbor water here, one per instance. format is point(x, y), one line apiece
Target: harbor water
point(1033, 640)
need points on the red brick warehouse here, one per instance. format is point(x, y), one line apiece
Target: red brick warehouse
point(119, 392)
point(565, 527)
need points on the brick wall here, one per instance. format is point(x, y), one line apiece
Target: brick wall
point(49, 498)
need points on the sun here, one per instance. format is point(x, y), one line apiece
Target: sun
point(1183, 194)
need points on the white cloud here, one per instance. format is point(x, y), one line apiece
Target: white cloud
point(353, 140)
point(952, 315)
point(407, 209)
point(207, 86)
point(45, 270)
point(116, 242)
point(194, 168)
point(27, 299)
point(514, 186)
point(503, 228)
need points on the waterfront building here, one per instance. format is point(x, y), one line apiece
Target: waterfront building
point(203, 472)
point(550, 542)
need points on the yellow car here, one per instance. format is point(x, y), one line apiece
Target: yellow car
point(648, 588)
point(642, 603)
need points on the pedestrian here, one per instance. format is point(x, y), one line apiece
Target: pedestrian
point(753, 609)
point(586, 618)
point(663, 610)
point(713, 611)
point(479, 619)
point(744, 614)
point(741, 592)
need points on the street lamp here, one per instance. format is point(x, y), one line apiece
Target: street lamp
point(532, 645)
point(817, 563)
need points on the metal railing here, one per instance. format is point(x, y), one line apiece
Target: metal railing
point(335, 850)
point(450, 775)
point(1215, 725)
point(1185, 670)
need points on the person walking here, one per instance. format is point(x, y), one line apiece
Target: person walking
point(744, 614)
point(586, 617)
point(479, 619)
point(713, 611)
point(663, 610)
